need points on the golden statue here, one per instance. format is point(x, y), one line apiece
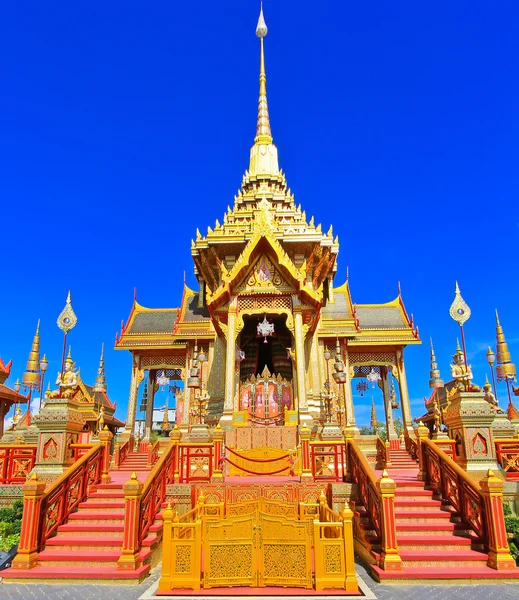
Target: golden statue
point(462, 373)
point(490, 397)
point(67, 380)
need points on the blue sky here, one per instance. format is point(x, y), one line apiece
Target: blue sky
point(126, 126)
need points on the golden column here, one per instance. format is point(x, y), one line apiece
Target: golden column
point(137, 377)
point(230, 361)
point(302, 405)
point(404, 393)
point(348, 396)
point(390, 424)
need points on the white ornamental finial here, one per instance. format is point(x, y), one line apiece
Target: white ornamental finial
point(261, 28)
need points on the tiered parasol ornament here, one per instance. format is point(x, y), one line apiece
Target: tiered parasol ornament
point(265, 329)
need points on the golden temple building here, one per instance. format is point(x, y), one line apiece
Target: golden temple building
point(265, 263)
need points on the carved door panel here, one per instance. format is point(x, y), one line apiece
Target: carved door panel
point(230, 556)
point(285, 552)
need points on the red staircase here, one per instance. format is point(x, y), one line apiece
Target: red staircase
point(88, 546)
point(432, 542)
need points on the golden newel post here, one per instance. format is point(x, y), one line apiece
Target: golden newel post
point(422, 433)
point(165, 582)
point(129, 558)
point(349, 435)
point(105, 439)
point(390, 558)
point(27, 556)
point(350, 582)
point(304, 434)
point(217, 436)
point(175, 435)
point(498, 550)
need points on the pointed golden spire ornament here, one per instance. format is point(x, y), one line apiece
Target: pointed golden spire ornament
point(373, 420)
point(100, 383)
point(435, 380)
point(66, 321)
point(505, 368)
point(460, 312)
point(263, 155)
point(31, 378)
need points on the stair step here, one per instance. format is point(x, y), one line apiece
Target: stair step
point(110, 486)
point(432, 528)
point(73, 542)
point(83, 516)
point(75, 573)
point(419, 574)
point(107, 495)
point(61, 558)
point(410, 492)
point(93, 529)
point(101, 506)
point(417, 504)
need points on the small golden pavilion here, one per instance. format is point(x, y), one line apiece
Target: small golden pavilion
point(267, 317)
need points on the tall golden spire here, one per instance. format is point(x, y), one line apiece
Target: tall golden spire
point(31, 377)
point(373, 420)
point(435, 380)
point(505, 368)
point(100, 383)
point(263, 155)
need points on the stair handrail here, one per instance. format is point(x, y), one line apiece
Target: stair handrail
point(13, 471)
point(142, 502)
point(480, 504)
point(46, 508)
point(383, 455)
point(377, 497)
point(120, 453)
point(411, 445)
point(507, 451)
point(152, 453)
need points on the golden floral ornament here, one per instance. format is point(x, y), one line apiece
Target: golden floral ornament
point(67, 318)
point(459, 309)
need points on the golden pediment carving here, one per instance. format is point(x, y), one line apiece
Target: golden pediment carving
point(263, 276)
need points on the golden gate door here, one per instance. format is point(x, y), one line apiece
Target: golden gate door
point(285, 552)
point(230, 554)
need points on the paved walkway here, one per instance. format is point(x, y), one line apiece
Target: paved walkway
point(33, 591)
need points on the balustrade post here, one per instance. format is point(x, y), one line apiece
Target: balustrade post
point(175, 435)
point(349, 436)
point(105, 438)
point(499, 552)
point(32, 524)
point(165, 583)
point(217, 442)
point(149, 459)
point(129, 558)
point(350, 580)
point(117, 456)
point(304, 434)
point(422, 433)
point(390, 559)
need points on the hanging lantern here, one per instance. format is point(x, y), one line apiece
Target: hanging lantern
point(162, 380)
point(265, 329)
point(362, 387)
point(144, 400)
point(373, 377)
point(193, 381)
point(392, 396)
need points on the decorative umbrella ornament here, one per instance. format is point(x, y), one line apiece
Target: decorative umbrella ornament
point(265, 329)
point(460, 312)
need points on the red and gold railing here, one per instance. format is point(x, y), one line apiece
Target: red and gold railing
point(153, 453)
point(383, 456)
point(508, 457)
point(120, 453)
point(142, 503)
point(45, 510)
point(16, 462)
point(195, 462)
point(377, 498)
point(480, 506)
point(328, 461)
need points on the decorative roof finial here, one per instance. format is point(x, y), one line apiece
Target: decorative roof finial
point(31, 377)
point(100, 383)
point(264, 155)
point(435, 380)
point(505, 368)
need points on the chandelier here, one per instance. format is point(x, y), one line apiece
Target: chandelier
point(373, 377)
point(162, 380)
point(265, 329)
